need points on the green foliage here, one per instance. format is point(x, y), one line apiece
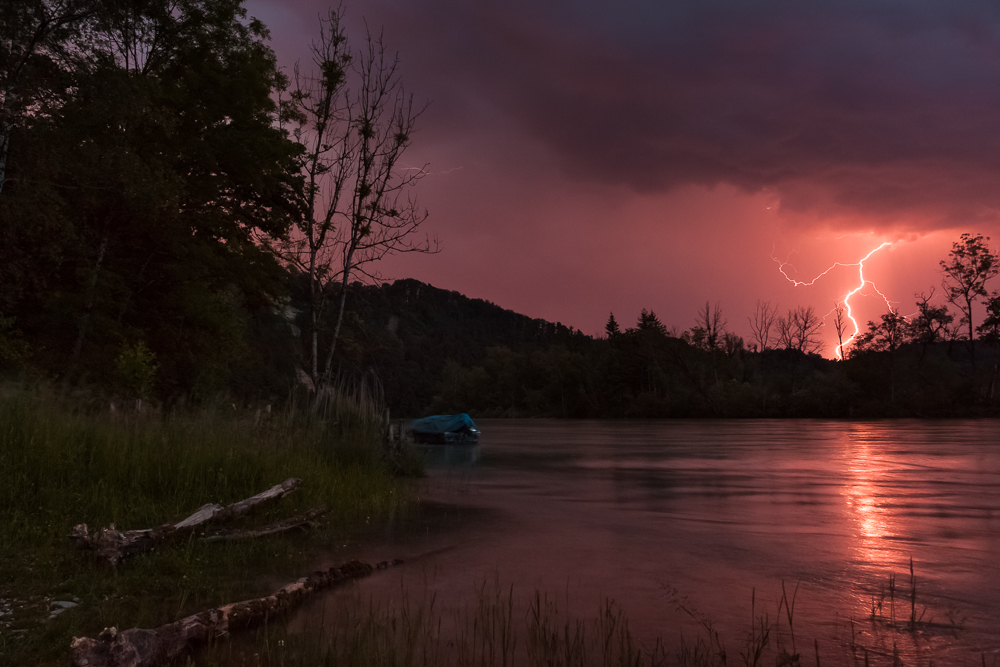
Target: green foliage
point(138, 190)
point(13, 349)
point(136, 368)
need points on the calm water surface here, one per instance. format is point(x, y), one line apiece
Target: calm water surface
point(710, 514)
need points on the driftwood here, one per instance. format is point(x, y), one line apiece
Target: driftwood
point(116, 545)
point(148, 648)
point(306, 520)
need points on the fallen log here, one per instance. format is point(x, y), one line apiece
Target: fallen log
point(306, 520)
point(116, 545)
point(149, 648)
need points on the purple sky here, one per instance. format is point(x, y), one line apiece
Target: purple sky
point(588, 157)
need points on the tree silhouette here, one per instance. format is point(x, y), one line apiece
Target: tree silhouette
point(648, 321)
point(357, 206)
point(611, 328)
point(931, 323)
point(761, 323)
point(840, 325)
point(969, 266)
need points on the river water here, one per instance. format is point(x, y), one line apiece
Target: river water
point(685, 520)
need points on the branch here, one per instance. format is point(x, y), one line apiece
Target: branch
point(305, 520)
point(116, 545)
point(140, 647)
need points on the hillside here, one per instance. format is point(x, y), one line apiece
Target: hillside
point(407, 331)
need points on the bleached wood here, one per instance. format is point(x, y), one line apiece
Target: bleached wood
point(306, 520)
point(140, 647)
point(116, 545)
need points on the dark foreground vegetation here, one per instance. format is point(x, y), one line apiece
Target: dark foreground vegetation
point(66, 462)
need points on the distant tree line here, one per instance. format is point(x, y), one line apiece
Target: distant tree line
point(930, 364)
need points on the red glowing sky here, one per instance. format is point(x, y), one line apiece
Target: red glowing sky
point(588, 157)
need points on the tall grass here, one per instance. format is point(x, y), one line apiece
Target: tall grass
point(64, 462)
point(497, 629)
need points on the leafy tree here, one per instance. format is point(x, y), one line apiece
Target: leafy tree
point(931, 323)
point(137, 196)
point(356, 205)
point(989, 330)
point(34, 36)
point(970, 265)
point(884, 336)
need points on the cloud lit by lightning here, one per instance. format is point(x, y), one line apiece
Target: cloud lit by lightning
point(846, 300)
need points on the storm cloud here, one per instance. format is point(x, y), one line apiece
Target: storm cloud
point(595, 156)
point(877, 107)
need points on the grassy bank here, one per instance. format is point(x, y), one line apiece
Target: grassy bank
point(64, 462)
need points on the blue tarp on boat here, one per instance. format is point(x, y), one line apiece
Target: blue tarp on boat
point(445, 429)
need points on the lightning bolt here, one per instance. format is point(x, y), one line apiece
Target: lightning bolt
point(862, 281)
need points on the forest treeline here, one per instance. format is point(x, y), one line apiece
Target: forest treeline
point(182, 220)
point(438, 351)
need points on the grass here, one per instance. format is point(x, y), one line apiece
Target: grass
point(498, 628)
point(64, 462)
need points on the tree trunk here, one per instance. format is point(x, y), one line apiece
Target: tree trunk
point(89, 304)
point(291, 523)
point(328, 368)
point(6, 126)
point(148, 648)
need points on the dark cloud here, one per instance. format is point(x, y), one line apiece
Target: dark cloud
point(889, 108)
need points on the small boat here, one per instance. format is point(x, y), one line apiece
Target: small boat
point(445, 430)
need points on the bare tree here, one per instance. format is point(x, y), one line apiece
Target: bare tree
point(786, 339)
point(761, 323)
point(840, 325)
point(807, 325)
point(711, 322)
point(799, 330)
point(357, 206)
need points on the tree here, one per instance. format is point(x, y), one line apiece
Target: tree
point(989, 330)
point(761, 323)
point(931, 323)
point(611, 328)
point(649, 322)
point(970, 265)
point(356, 206)
point(840, 325)
point(884, 336)
point(709, 329)
point(32, 35)
point(799, 330)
